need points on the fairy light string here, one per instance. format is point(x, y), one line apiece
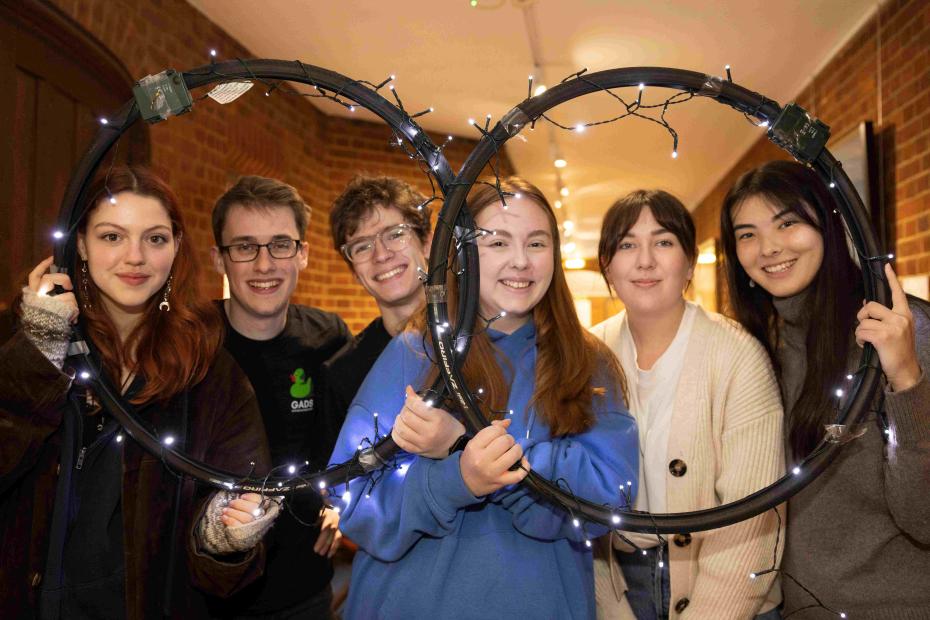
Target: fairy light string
point(640, 108)
point(635, 109)
point(370, 461)
point(339, 97)
point(774, 568)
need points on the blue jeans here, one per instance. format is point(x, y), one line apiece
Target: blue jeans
point(648, 589)
point(647, 582)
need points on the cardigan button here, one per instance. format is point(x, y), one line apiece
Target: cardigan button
point(36, 579)
point(678, 468)
point(682, 540)
point(681, 604)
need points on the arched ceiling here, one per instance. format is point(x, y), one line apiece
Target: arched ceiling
point(470, 61)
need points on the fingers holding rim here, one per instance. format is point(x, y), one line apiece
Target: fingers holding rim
point(239, 516)
point(485, 436)
point(898, 296)
point(403, 436)
point(874, 310)
point(512, 455)
point(38, 271)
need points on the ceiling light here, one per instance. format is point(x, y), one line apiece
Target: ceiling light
point(558, 204)
point(564, 191)
point(560, 163)
point(574, 263)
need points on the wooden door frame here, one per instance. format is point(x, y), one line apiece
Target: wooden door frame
point(66, 41)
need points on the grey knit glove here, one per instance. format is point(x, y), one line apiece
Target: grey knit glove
point(46, 321)
point(218, 539)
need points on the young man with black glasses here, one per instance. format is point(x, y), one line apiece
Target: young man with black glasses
point(259, 226)
point(381, 226)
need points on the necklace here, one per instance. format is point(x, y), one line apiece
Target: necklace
point(93, 407)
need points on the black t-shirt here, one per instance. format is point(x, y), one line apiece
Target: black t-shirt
point(345, 372)
point(286, 373)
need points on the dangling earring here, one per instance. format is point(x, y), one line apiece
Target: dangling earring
point(85, 286)
point(752, 283)
point(164, 305)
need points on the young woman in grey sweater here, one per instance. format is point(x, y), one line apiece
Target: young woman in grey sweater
point(858, 536)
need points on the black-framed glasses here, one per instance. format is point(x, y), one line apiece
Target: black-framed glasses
point(393, 239)
point(247, 252)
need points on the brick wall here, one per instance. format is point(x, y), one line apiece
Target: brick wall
point(354, 148)
point(881, 75)
point(281, 136)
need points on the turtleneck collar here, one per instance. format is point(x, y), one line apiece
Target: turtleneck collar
point(793, 319)
point(793, 310)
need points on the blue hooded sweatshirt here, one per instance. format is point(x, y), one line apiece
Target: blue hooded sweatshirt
point(428, 548)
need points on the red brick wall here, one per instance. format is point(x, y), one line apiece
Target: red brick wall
point(282, 136)
point(881, 75)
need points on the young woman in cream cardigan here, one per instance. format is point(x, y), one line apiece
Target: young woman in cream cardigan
point(710, 425)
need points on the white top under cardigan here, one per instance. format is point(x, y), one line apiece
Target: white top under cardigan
point(726, 427)
point(652, 396)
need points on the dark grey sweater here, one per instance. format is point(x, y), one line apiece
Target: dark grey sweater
point(859, 535)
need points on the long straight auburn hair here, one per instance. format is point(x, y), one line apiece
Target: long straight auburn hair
point(171, 350)
point(569, 359)
point(835, 293)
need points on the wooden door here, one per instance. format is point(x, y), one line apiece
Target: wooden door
point(58, 82)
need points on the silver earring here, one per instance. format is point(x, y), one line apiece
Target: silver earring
point(85, 287)
point(752, 283)
point(164, 305)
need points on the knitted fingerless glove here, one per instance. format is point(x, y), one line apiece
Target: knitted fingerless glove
point(217, 538)
point(47, 323)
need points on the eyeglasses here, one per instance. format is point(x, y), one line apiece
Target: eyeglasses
point(394, 239)
point(247, 252)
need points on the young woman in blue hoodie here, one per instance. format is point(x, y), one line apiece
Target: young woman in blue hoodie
point(449, 533)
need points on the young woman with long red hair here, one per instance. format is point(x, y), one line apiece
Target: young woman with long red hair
point(92, 525)
point(448, 534)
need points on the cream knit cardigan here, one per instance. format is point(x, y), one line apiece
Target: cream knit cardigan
point(727, 428)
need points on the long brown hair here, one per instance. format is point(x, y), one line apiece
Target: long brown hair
point(172, 350)
point(835, 292)
point(569, 358)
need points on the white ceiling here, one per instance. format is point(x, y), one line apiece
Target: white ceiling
point(468, 62)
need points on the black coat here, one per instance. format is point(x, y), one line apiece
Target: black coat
point(225, 431)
